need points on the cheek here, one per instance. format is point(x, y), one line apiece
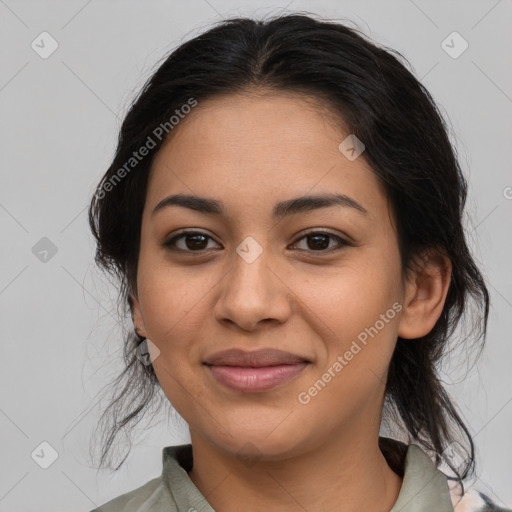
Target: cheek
point(361, 308)
point(174, 306)
point(351, 297)
point(358, 304)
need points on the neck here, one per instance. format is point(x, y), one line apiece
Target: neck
point(343, 475)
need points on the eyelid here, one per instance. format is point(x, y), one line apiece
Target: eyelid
point(324, 231)
point(343, 241)
point(182, 234)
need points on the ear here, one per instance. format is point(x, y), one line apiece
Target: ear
point(138, 322)
point(426, 288)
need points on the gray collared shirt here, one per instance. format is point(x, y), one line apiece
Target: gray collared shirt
point(424, 487)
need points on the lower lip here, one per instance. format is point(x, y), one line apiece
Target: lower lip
point(255, 380)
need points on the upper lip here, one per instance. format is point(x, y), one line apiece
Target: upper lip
point(255, 358)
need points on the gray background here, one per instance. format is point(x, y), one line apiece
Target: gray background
point(59, 124)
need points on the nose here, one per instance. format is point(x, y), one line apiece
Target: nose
point(252, 295)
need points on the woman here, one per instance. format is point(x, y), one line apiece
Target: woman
point(283, 213)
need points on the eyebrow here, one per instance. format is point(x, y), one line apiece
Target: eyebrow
point(283, 209)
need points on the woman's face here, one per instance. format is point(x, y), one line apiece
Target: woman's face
point(320, 281)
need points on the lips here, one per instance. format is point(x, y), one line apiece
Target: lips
point(254, 359)
point(256, 371)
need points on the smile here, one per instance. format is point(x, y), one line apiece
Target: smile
point(247, 379)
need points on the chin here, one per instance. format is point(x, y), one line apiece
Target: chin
point(261, 443)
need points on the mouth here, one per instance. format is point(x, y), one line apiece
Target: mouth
point(256, 371)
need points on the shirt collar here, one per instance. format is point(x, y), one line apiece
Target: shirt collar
point(424, 487)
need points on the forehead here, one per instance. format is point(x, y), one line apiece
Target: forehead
point(265, 146)
point(246, 122)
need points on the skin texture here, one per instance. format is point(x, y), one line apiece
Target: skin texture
point(251, 151)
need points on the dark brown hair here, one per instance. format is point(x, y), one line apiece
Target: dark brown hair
point(407, 146)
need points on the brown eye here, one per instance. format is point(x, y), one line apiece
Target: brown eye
point(320, 241)
point(189, 241)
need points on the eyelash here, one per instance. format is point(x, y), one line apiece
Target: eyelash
point(341, 241)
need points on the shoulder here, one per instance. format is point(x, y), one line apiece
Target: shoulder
point(428, 486)
point(150, 496)
point(473, 500)
point(164, 493)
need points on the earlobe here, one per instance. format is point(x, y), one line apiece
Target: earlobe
point(138, 322)
point(425, 294)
